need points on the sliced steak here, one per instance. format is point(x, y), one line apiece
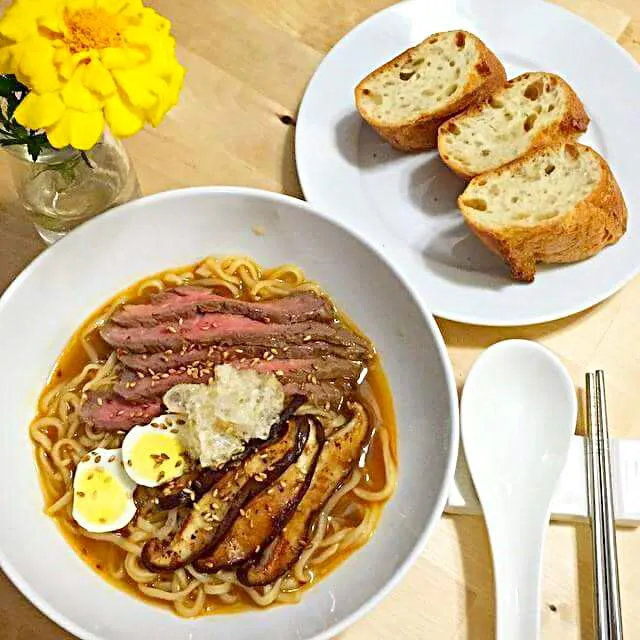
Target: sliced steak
point(187, 301)
point(135, 386)
point(225, 329)
point(325, 393)
point(213, 515)
point(339, 456)
point(266, 514)
point(110, 412)
point(162, 361)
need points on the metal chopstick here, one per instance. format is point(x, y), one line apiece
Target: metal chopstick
point(594, 487)
point(611, 551)
point(599, 487)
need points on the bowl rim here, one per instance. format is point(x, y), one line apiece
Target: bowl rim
point(140, 205)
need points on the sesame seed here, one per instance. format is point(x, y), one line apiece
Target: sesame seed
point(180, 321)
point(168, 352)
point(111, 459)
point(172, 330)
point(306, 339)
point(279, 372)
point(242, 512)
point(314, 380)
point(98, 458)
point(100, 402)
point(140, 374)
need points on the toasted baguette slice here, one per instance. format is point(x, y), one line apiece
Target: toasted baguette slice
point(531, 111)
point(557, 204)
point(406, 99)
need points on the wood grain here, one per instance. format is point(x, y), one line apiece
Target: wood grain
point(235, 125)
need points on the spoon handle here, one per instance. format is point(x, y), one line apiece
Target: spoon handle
point(517, 559)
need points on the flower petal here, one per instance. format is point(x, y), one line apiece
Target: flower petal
point(78, 129)
point(69, 62)
point(6, 60)
point(53, 22)
point(77, 96)
point(98, 79)
point(86, 129)
point(19, 21)
point(114, 6)
point(170, 98)
point(40, 111)
point(123, 119)
point(134, 85)
point(59, 134)
point(114, 58)
point(35, 66)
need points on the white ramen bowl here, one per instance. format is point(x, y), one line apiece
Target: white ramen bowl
point(56, 293)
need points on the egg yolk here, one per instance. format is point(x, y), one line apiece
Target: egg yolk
point(158, 457)
point(99, 498)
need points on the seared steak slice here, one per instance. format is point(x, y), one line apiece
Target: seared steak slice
point(267, 513)
point(160, 362)
point(213, 515)
point(225, 329)
point(186, 301)
point(323, 394)
point(134, 386)
point(339, 456)
point(110, 412)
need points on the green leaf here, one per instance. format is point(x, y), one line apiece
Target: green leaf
point(34, 147)
point(12, 102)
point(7, 86)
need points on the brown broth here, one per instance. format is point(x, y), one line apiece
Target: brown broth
point(374, 394)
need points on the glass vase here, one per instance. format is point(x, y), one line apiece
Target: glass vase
point(64, 188)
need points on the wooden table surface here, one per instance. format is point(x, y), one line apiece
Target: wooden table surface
point(235, 126)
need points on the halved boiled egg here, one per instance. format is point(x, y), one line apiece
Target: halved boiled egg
point(102, 492)
point(154, 453)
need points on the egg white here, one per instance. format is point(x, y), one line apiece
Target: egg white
point(102, 492)
point(159, 437)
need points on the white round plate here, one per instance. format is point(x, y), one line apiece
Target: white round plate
point(56, 293)
point(407, 202)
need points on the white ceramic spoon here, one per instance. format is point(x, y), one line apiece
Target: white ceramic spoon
point(518, 413)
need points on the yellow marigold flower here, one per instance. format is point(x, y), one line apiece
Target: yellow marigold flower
point(87, 62)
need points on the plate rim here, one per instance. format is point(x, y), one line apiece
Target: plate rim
point(134, 208)
point(305, 176)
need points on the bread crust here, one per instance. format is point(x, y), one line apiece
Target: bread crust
point(595, 222)
point(421, 133)
point(573, 123)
